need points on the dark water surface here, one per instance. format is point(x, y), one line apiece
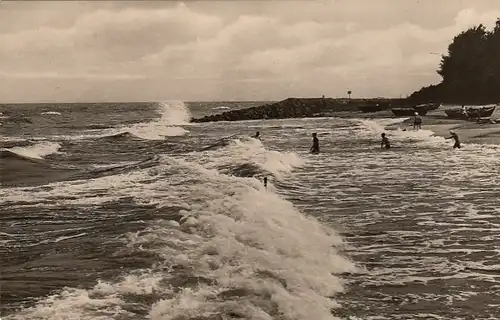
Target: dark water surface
point(127, 211)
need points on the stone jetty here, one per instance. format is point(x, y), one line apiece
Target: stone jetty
point(299, 108)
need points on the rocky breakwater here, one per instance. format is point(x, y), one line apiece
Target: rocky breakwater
point(293, 108)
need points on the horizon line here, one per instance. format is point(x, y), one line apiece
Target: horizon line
point(190, 101)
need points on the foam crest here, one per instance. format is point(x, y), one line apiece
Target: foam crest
point(251, 151)
point(419, 134)
point(173, 114)
point(54, 113)
point(252, 241)
point(247, 251)
point(373, 127)
point(37, 151)
point(423, 137)
point(77, 192)
point(102, 302)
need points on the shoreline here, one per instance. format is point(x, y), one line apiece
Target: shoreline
point(468, 131)
point(439, 123)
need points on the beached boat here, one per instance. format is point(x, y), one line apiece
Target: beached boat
point(374, 107)
point(470, 112)
point(428, 106)
point(408, 112)
point(422, 109)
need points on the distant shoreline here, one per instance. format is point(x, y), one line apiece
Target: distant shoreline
point(185, 101)
point(351, 100)
point(128, 102)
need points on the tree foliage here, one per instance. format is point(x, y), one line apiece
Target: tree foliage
point(470, 70)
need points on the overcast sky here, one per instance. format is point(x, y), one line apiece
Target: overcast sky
point(227, 50)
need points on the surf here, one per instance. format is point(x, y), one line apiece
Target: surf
point(245, 157)
point(171, 119)
point(37, 150)
point(51, 113)
point(224, 245)
point(252, 253)
point(173, 116)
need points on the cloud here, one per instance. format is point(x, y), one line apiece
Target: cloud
point(58, 75)
point(469, 17)
point(104, 39)
point(238, 50)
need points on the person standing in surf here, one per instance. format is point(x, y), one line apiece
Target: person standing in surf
point(455, 137)
point(257, 135)
point(385, 142)
point(464, 111)
point(315, 146)
point(417, 122)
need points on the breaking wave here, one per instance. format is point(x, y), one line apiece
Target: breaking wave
point(122, 136)
point(173, 115)
point(247, 157)
point(52, 113)
point(225, 246)
point(36, 151)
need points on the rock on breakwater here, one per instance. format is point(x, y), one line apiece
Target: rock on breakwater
point(297, 108)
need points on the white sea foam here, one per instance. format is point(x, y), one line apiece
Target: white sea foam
point(238, 235)
point(234, 232)
point(52, 113)
point(250, 151)
point(173, 114)
point(37, 151)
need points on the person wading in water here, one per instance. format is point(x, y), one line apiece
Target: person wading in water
point(417, 122)
point(385, 142)
point(315, 146)
point(455, 137)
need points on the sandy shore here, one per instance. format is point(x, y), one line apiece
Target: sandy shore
point(468, 131)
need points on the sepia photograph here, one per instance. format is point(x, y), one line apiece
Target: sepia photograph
point(250, 159)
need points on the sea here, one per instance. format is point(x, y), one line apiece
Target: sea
point(128, 211)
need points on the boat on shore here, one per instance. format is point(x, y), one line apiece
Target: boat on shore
point(421, 109)
point(428, 106)
point(469, 113)
point(408, 112)
point(374, 108)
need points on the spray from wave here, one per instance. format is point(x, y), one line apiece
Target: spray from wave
point(172, 116)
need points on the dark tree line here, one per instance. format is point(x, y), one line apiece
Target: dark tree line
point(470, 70)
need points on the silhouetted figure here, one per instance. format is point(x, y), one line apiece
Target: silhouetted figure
point(465, 112)
point(315, 146)
point(455, 137)
point(478, 114)
point(385, 142)
point(417, 122)
point(265, 182)
point(257, 135)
